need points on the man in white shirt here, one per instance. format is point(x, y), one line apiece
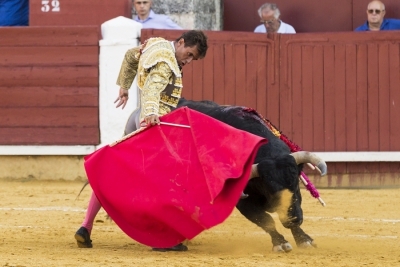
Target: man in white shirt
point(269, 14)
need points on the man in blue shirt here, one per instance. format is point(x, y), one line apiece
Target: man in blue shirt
point(376, 21)
point(14, 13)
point(151, 20)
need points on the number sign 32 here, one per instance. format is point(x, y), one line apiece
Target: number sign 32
point(54, 6)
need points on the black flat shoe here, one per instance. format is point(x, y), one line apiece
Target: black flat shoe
point(82, 237)
point(179, 247)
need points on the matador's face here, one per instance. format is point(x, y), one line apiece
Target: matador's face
point(185, 54)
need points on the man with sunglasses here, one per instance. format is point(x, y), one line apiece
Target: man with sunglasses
point(269, 14)
point(151, 20)
point(376, 20)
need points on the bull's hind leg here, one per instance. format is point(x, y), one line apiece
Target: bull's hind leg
point(265, 221)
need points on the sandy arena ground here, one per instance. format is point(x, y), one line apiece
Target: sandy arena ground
point(39, 219)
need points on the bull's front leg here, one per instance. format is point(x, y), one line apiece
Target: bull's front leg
point(302, 239)
point(254, 213)
point(293, 220)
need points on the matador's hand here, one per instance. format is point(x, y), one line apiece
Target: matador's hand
point(122, 98)
point(152, 119)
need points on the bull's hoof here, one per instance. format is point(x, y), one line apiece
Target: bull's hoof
point(277, 249)
point(307, 244)
point(285, 247)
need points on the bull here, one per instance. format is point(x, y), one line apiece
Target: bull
point(275, 187)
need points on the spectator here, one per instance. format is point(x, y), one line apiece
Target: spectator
point(269, 14)
point(151, 20)
point(375, 19)
point(14, 13)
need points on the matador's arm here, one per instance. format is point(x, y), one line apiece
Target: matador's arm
point(129, 68)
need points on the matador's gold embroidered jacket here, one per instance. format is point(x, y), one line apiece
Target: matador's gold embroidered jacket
point(159, 76)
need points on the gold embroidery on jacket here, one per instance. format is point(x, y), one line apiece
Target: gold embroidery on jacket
point(156, 67)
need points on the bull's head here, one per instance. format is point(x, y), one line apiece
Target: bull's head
point(280, 177)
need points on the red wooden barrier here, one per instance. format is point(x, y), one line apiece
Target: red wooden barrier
point(341, 89)
point(49, 86)
point(76, 12)
point(327, 92)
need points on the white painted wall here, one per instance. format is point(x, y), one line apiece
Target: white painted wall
point(119, 35)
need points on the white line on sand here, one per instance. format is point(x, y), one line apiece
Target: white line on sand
point(317, 218)
point(65, 209)
point(313, 218)
point(327, 235)
point(221, 232)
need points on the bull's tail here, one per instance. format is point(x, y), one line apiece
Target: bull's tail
point(83, 187)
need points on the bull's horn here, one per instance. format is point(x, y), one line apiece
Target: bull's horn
point(254, 171)
point(308, 157)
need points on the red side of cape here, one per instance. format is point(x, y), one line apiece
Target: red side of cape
point(167, 183)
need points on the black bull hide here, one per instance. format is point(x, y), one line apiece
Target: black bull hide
point(278, 182)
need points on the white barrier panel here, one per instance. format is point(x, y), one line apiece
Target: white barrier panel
point(46, 150)
point(367, 156)
point(381, 156)
point(119, 35)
